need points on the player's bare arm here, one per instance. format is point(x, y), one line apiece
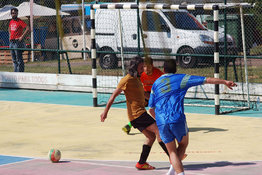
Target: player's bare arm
point(103, 116)
point(229, 84)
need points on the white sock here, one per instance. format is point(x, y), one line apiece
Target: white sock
point(182, 173)
point(171, 171)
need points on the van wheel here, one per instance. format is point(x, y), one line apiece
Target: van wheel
point(187, 61)
point(108, 61)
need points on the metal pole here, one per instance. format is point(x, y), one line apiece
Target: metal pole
point(83, 29)
point(93, 56)
point(225, 40)
point(138, 33)
point(32, 28)
point(121, 42)
point(59, 33)
point(216, 58)
point(244, 52)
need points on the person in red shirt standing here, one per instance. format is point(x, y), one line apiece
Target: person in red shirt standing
point(148, 77)
point(17, 30)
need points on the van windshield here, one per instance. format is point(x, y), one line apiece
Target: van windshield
point(184, 20)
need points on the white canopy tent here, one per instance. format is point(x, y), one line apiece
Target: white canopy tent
point(6, 8)
point(32, 10)
point(24, 11)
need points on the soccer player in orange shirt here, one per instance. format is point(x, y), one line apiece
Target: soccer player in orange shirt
point(137, 114)
point(148, 77)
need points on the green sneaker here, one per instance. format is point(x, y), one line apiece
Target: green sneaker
point(126, 129)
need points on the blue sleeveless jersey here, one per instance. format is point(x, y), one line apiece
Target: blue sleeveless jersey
point(167, 96)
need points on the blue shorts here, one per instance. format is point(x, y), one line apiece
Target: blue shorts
point(172, 131)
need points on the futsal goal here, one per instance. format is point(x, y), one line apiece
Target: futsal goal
point(169, 31)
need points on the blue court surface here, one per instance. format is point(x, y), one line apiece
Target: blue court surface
point(12, 159)
point(86, 99)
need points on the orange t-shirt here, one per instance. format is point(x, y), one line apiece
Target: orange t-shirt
point(148, 80)
point(135, 98)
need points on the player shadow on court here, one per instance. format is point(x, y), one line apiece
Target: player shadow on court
point(134, 133)
point(252, 112)
point(215, 164)
point(64, 161)
point(202, 166)
point(206, 130)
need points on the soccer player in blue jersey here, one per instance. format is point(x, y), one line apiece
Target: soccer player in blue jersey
point(166, 105)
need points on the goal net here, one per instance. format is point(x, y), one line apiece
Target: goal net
point(169, 31)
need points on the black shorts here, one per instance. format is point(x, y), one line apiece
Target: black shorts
point(143, 121)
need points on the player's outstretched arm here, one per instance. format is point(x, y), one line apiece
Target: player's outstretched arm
point(229, 84)
point(103, 116)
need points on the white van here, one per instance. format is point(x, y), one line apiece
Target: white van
point(73, 37)
point(164, 31)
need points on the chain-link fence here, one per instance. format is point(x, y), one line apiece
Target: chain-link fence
point(62, 44)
